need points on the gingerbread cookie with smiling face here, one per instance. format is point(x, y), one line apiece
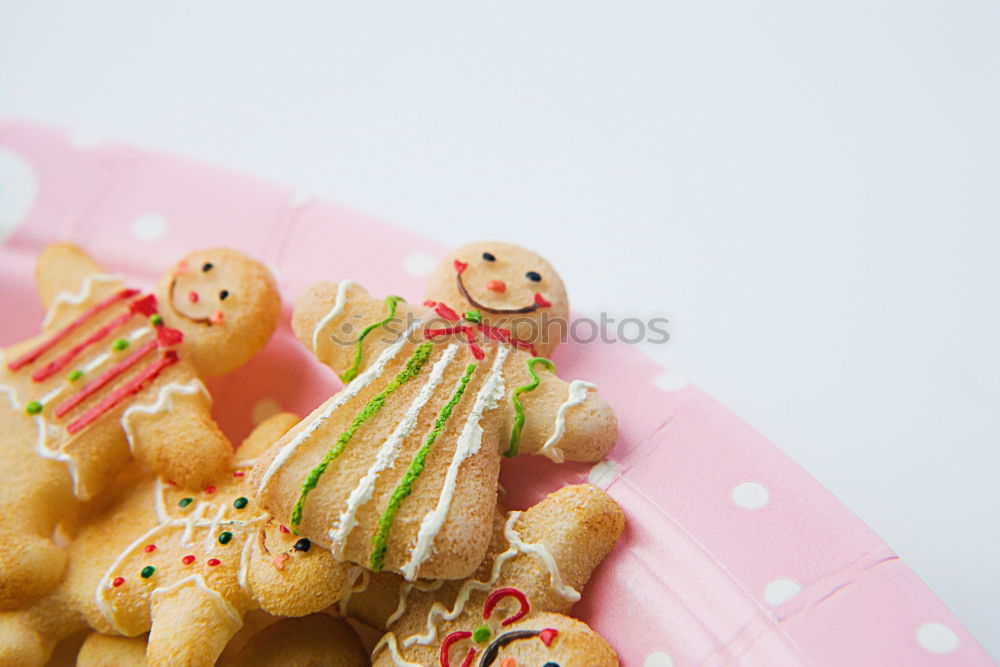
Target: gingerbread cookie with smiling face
point(183, 564)
point(512, 612)
point(398, 471)
point(116, 375)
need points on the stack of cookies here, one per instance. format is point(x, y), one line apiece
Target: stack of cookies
point(124, 509)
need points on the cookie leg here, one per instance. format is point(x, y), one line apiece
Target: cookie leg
point(190, 627)
point(106, 651)
point(28, 636)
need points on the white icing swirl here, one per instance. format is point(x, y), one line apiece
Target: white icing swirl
point(337, 309)
point(576, 394)
point(79, 297)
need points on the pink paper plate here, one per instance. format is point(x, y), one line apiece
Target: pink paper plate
point(732, 555)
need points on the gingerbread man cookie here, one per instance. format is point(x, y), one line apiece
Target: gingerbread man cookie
point(398, 471)
point(183, 564)
point(512, 612)
point(116, 375)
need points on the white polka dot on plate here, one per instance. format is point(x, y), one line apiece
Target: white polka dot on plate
point(603, 473)
point(18, 189)
point(419, 264)
point(264, 409)
point(780, 591)
point(149, 227)
point(937, 638)
point(86, 140)
point(750, 495)
point(658, 659)
point(670, 381)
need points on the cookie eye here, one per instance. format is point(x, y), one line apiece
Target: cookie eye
point(489, 257)
point(223, 295)
point(207, 266)
point(531, 275)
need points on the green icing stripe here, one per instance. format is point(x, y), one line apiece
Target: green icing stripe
point(390, 302)
point(515, 433)
point(405, 487)
point(413, 366)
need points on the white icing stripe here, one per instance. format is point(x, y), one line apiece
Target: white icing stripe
point(79, 297)
point(576, 394)
point(389, 641)
point(210, 540)
point(199, 582)
point(469, 442)
point(338, 307)
point(404, 593)
point(516, 546)
point(164, 402)
point(387, 453)
point(241, 575)
point(359, 583)
point(371, 374)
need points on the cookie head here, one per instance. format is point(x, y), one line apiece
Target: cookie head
point(505, 286)
point(226, 305)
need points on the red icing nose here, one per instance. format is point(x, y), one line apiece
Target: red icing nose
point(193, 297)
point(496, 286)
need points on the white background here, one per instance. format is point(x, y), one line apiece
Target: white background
point(809, 191)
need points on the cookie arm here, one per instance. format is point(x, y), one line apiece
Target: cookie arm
point(62, 267)
point(184, 445)
point(189, 628)
point(562, 420)
point(331, 318)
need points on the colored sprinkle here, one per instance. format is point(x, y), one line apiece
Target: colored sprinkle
point(279, 562)
point(185, 502)
point(33, 407)
point(380, 539)
point(240, 503)
point(147, 571)
point(156, 319)
point(412, 369)
point(390, 303)
point(474, 316)
point(187, 560)
point(171, 482)
point(120, 344)
point(515, 433)
point(303, 544)
point(481, 634)
point(212, 562)
point(225, 537)
point(118, 581)
point(150, 548)
point(210, 490)
point(75, 375)
point(283, 528)
point(238, 473)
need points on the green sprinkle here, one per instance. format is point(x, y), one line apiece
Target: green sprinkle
point(240, 503)
point(120, 344)
point(482, 634)
point(225, 537)
point(515, 433)
point(185, 502)
point(75, 375)
point(156, 319)
point(147, 571)
point(381, 538)
point(474, 316)
point(390, 302)
point(33, 407)
point(413, 366)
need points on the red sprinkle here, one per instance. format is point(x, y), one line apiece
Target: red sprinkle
point(118, 581)
point(283, 529)
point(212, 562)
point(238, 473)
point(150, 548)
point(187, 560)
point(279, 562)
point(171, 482)
point(209, 490)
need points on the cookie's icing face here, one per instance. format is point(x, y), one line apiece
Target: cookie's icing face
point(506, 286)
point(226, 304)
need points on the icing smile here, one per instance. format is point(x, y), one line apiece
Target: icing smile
point(494, 285)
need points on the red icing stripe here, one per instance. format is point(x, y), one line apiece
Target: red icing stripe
point(63, 360)
point(504, 336)
point(33, 355)
point(446, 312)
point(502, 593)
point(456, 636)
point(470, 335)
point(133, 386)
point(104, 378)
